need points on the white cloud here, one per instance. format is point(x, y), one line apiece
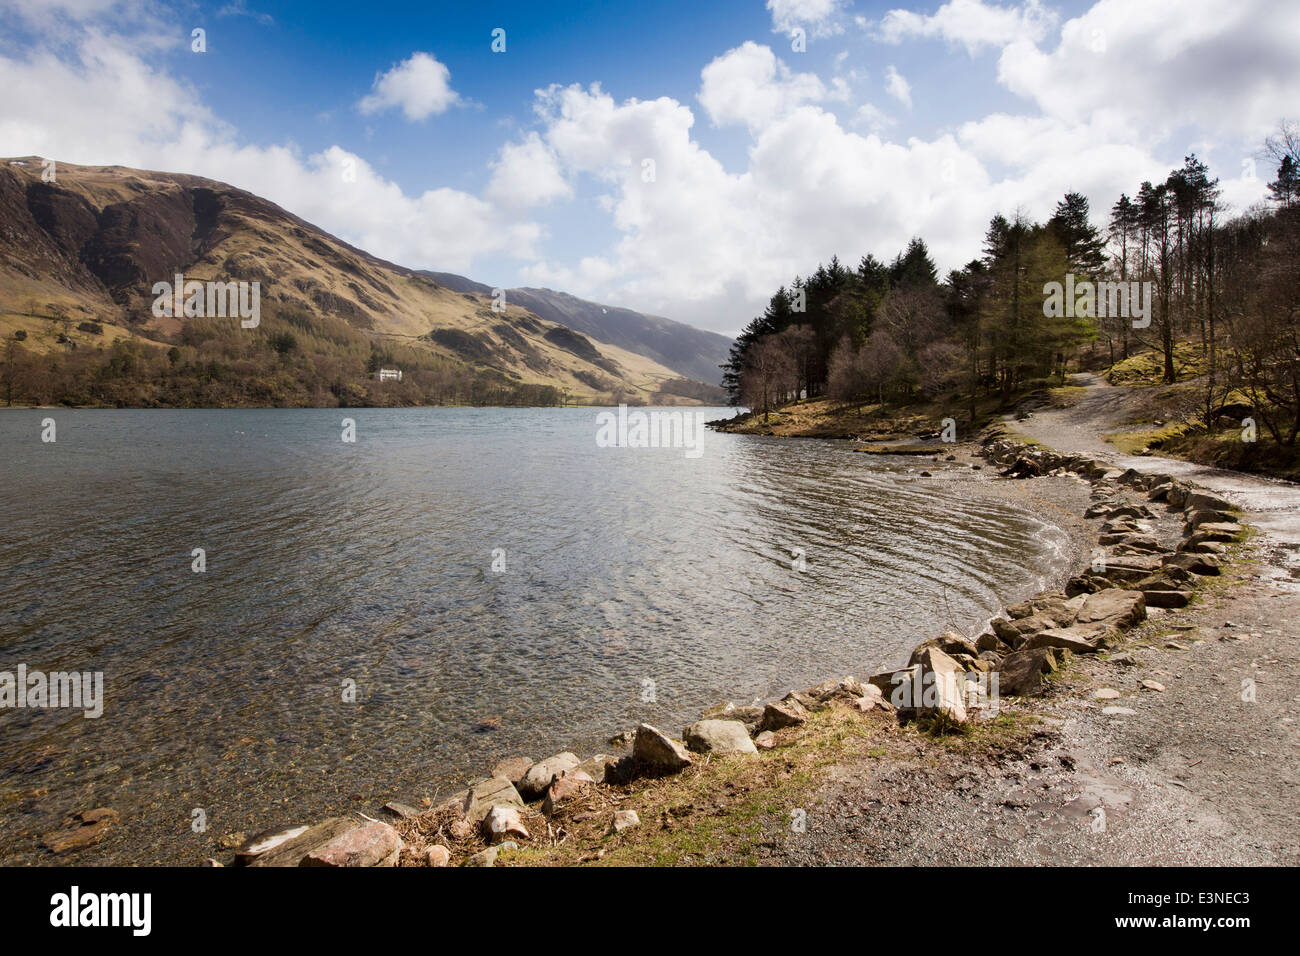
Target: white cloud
point(750, 85)
point(972, 24)
point(104, 104)
point(897, 87)
point(527, 174)
point(419, 85)
point(817, 17)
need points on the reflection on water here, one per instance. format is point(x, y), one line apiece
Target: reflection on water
point(330, 562)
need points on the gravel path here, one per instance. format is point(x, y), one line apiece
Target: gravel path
point(1205, 771)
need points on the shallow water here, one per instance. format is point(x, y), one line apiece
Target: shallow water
point(639, 584)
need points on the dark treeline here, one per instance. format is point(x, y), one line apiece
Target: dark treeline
point(896, 332)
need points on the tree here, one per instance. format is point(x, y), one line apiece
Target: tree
point(1085, 250)
point(1286, 188)
point(769, 375)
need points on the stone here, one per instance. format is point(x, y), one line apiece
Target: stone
point(1080, 640)
point(747, 714)
point(1195, 519)
point(292, 852)
point(486, 857)
point(539, 775)
point(1153, 685)
point(1106, 693)
point(656, 749)
point(1204, 501)
point(623, 820)
point(1116, 711)
point(1021, 672)
point(595, 767)
point(402, 811)
point(513, 769)
point(766, 740)
point(80, 830)
point(437, 855)
point(1014, 632)
point(941, 689)
point(486, 794)
point(784, 714)
point(265, 842)
point(374, 844)
point(503, 822)
point(565, 788)
point(950, 642)
point(1167, 598)
point(1203, 564)
point(1114, 608)
point(719, 737)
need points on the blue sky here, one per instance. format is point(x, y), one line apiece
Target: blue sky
point(396, 127)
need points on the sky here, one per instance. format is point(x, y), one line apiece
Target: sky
point(678, 158)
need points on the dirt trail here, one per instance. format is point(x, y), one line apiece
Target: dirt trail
point(1205, 771)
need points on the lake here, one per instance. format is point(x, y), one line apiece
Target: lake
point(383, 619)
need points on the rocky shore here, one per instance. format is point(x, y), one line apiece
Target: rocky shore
point(1157, 541)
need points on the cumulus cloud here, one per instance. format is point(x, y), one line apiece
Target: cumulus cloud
point(972, 24)
point(897, 87)
point(527, 174)
point(750, 85)
point(818, 17)
point(420, 86)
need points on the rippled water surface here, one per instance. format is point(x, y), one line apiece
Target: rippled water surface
point(372, 562)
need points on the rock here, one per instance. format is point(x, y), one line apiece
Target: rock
point(486, 857)
point(1020, 673)
point(941, 688)
point(80, 830)
point(437, 855)
point(1153, 685)
point(374, 844)
point(621, 739)
point(265, 842)
point(1116, 711)
point(784, 714)
point(503, 822)
point(989, 641)
point(1204, 501)
point(596, 767)
point(1114, 608)
point(747, 714)
point(766, 740)
point(1080, 640)
point(719, 737)
point(211, 862)
point(1195, 519)
point(623, 820)
point(292, 852)
point(1167, 599)
point(658, 750)
point(1013, 633)
point(486, 794)
point(1106, 693)
point(513, 769)
point(1203, 564)
point(565, 788)
point(540, 774)
point(950, 642)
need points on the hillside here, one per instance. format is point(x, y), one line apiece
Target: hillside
point(692, 352)
point(79, 258)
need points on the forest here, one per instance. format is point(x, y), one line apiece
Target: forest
point(1225, 307)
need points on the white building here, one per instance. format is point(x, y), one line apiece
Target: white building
point(388, 375)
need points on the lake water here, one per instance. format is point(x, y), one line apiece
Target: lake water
point(638, 584)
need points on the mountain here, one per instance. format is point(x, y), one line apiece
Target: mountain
point(692, 352)
point(79, 259)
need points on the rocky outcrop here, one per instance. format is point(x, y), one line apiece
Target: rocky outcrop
point(718, 737)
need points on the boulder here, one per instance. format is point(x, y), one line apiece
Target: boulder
point(486, 794)
point(437, 855)
point(293, 851)
point(1021, 672)
point(80, 830)
point(1113, 608)
point(596, 767)
point(1205, 501)
point(1203, 564)
point(504, 823)
point(719, 737)
point(486, 857)
point(374, 844)
point(265, 842)
point(1168, 599)
point(1080, 640)
point(747, 714)
point(938, 687)
point(785, 713)
point(540, 774)
point(513, 769)
point(565, 788)
point(656, 749)
point(766, 740)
